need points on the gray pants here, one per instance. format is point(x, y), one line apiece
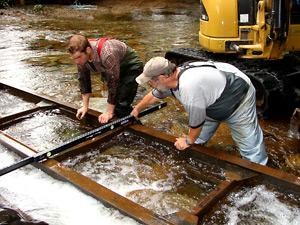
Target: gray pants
point(245, 130)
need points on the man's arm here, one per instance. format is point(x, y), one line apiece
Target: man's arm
point(149, 99)
point(111, 56)
point(84, 78)
point(105, 117)
point(85, 100)
point(111, 63)
point(85, 105)
point(185, 141)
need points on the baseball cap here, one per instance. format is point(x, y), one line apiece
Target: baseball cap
point(154, 67)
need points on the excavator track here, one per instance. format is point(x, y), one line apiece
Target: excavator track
point(277, 82)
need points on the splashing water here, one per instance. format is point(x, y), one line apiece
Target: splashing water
point(147, 173)
point(51, 200)
point(46, 129)
point(10, 104)
point(258, 205)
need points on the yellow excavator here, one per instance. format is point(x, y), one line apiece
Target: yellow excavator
point(260, 37)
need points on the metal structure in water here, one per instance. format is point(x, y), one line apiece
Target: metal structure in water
point(238, 173)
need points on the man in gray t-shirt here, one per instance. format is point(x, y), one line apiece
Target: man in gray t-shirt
point(210, 93)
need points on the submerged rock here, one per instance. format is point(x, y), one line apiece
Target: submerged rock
point(13, 216)
point(293, 161)
point(10, 216)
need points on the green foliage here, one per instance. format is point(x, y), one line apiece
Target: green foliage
point(38, 8)
point(5, 3)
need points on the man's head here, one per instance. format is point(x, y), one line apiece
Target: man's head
point(79, 48)
point(154, 68)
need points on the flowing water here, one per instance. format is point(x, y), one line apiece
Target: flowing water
point(44, 130)
point(257, 204)
point(148, 173)
point(11, 104)
point(33, 55)
point(53, 201)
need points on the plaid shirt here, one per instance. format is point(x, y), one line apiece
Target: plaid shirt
point(108, 64)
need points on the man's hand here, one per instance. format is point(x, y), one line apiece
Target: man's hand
point(105, 117)
point(81, 112)
point(135, 112)
point(181, 143)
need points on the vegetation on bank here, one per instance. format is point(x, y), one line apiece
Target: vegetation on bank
point(5, 3)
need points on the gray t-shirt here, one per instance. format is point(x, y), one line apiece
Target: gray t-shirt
point(212, 90)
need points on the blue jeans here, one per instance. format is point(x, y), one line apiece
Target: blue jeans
point(244, 128)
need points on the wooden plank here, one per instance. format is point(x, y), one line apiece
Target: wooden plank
point(200, 151)
point(25, 92)
point(88, 186)
point(213, 197)
point(245, 169)
point(223, 189)
point(105, 195)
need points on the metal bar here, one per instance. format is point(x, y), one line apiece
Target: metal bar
point(15, 118)
point(105, 195)
point(10, 117)
point(35, 97)
point(200, 151)
point(217, 194)
point(208, 201)
point(18, 147)
point(77, 140)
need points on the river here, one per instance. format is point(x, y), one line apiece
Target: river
point(33, 55)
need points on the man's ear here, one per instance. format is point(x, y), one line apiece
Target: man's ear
point(163, 77)
point(88, 50)
point(166, 76)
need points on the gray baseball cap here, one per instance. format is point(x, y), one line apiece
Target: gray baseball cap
point(154, 67)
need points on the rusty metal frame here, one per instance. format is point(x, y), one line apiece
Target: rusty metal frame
point(35, 98)
point(240, 171)
point(85, 184)
point(219, 157)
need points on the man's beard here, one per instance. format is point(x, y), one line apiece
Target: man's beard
point(161, 88)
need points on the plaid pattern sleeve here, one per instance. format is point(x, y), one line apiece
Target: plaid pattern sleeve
point(112, 53)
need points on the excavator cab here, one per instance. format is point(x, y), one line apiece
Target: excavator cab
point(266, 29)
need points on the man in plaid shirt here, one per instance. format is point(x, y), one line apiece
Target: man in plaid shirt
point(118, 64)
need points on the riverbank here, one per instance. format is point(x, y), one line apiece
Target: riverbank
point(105, 7)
